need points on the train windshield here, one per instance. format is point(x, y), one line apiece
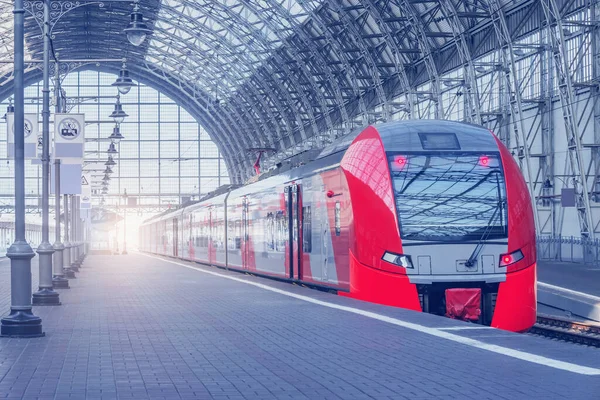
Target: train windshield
point(449, 197)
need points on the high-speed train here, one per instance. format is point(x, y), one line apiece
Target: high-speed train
point(427, 215)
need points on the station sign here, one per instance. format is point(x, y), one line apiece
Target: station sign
point(31, 133)
point(69, 137)
point(86, 191)
point(70, 178)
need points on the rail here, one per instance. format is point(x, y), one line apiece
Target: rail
point(570, 331)
point(568, 249)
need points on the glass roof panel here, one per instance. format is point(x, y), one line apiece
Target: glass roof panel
point(7, 38)
point(228, 40)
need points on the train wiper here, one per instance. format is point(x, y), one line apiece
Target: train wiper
point(473, 258)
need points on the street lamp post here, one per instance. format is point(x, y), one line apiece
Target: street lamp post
point(74, 229)
point(21, 322)
point(78, 223)
point(85, 233)
point(46, 295)
point(81, 231)
point(125, 224)
point(117, 252)
point(67, 252)
point(60, 282)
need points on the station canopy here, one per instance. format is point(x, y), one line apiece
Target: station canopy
point(279, 74)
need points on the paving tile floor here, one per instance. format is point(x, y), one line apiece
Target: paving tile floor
point(134, 327)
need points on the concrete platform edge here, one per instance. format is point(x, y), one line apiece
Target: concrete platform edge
point(584, 308)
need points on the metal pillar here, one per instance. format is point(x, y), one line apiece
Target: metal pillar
point(548, 206)
point(88, 238)
point(46, 295)
point(125, 225)
point(74, 234)
point(79, 233)
point(84, 237)
point(60, 282)
point(553, 15)
point(116, 249)
point(20, 322)
point(595, 92)
point(80, 224)
point(67, 252)
point(515, 101)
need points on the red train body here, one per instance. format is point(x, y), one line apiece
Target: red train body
point(432, 216)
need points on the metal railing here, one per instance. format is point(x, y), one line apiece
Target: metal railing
point(568, 249)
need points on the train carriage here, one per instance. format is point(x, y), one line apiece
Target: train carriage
point(427, 215)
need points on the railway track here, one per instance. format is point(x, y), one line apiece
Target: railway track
point(571, 331)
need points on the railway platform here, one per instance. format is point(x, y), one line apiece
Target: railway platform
point(143, 327)
point(569, 289)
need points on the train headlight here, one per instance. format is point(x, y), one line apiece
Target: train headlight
point(398, 259)
point(511, 258)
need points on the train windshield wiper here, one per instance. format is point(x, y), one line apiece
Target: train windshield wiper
point(488, 228)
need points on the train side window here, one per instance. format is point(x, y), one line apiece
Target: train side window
point(306, 230)
point(238, 235)
point(269, 232)
point(230, 235)
point(282, 231)
point(338, 218)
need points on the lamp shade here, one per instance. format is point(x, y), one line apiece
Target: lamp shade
point(110, 162)
point(137, 30)
point(111, 148)
point(118, 114)
point(124, 83)
point(116, 136)
point(9, 109)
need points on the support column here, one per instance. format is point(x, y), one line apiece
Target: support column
point(578, 175)
point(79, 232)
point(67, 252)
point(116, 250)
point(88, 234)
point(20, 322)
point(125, 225)
point(83, 236)
point(60, 282)
point(75, 234)
point(46, 296)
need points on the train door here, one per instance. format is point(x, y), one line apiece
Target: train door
point(324, 246)
point(294, 213)
point(244, 234)
point(175, 237)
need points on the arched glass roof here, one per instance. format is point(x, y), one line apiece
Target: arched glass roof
point(292, 74)
point(165, 158)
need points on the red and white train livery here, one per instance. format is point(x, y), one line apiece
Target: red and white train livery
point(427, 215)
